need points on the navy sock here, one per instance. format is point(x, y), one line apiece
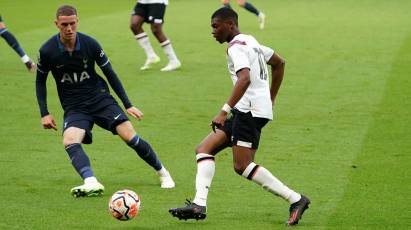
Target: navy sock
point(145, 151)
point(251, 8)
point(12, 41)
point(79, 160)
point(227, 5)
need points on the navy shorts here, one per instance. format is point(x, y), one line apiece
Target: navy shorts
point(107, 117)
point(243, 129)
point(152, 13)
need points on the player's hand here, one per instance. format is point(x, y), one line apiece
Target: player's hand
point(134, 112)
point(218, 120)
point(48, 122)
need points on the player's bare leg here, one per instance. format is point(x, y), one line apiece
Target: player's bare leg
point(136, 26)
point(173, 62)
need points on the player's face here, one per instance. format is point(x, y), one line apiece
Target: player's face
point(67, 26)
point(221, 30)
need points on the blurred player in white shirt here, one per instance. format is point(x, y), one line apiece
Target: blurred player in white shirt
point(152, 12)
point(250, 109)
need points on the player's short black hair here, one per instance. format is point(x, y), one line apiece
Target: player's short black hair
point(226, 13)
point(66, 10)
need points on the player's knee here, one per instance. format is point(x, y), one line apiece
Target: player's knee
point(69, 141)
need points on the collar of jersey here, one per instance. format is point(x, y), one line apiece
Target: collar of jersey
point(61, 46)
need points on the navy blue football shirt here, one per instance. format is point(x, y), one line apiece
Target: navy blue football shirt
point(78, 84)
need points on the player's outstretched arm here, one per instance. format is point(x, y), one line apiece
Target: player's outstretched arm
point(277, 64)
point(134, 112)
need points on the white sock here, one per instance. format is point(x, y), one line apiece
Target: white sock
point(162, 172)
point(90, 180)
point(205, 174)
point(263, 177)
point(25, 58)
point(142, 39)
point(169, 51)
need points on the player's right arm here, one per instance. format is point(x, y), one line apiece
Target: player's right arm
point(43, 69)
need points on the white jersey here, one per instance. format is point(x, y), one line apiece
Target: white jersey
point(245, 52)
point(165, 2)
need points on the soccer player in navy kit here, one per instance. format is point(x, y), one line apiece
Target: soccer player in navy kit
point(86, 99)
point(250, 105)
point(250, 8)
point(13, 43)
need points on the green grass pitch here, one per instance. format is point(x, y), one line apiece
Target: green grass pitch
point(341, 134)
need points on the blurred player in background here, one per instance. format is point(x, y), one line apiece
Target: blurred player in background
point(249, 7)
point(152, 12)
point(250, 109)
point(86, 100)
point(13, 43)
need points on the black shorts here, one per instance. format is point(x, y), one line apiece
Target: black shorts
point(152, 13)
point(242, 129)
point(107, 118)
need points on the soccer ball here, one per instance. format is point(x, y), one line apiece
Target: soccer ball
point(124, 205)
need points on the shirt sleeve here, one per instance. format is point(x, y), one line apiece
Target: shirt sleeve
point(98, 54)
point(239, 56)
point(41, 79)
point(267, 51)
point(43, 64)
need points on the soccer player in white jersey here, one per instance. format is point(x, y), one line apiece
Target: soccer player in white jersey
point(250, 106)
point(152, 11)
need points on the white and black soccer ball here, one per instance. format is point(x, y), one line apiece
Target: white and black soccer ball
point(124, 205)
